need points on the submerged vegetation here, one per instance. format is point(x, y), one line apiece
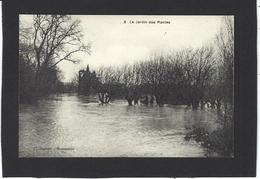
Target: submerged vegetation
point(219, 140)
point(200, 78)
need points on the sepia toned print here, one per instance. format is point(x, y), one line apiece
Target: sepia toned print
point(126, 86)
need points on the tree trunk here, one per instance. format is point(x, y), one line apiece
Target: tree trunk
point(195, 105)
point(202, 105)
point(135, 101)
point(129, 100)
point(36, 83)
point(104, 98)
point(218, 105)
point(151, 100)
point(158, 99)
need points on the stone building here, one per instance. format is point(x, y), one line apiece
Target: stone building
point(88, 82)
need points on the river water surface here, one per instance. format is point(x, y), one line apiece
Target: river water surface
point(68, 125)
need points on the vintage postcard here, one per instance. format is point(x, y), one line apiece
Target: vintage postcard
point(97, 89)
point(126, 85)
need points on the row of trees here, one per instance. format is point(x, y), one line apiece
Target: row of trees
point(196, 77)
point(183, 77)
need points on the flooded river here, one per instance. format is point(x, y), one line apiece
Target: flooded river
point(68, 125)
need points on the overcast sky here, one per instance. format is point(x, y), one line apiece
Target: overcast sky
point(115, 42)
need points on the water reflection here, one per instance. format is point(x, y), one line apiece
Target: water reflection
point(69, 125)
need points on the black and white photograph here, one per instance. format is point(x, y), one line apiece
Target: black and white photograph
point(126, 86)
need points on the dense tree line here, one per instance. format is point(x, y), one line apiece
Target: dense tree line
point(178, 78)
point(199, 78)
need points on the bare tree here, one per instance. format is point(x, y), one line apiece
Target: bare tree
point(55, 38)
point(152, 76)
point(225, 47)
point(111, 85)
point(198, 66)
point(225, 44)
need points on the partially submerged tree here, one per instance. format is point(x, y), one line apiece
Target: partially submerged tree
point(198, 67)
point(189, 76)
point(225, 44)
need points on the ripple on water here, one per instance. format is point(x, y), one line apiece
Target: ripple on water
point(76, 126)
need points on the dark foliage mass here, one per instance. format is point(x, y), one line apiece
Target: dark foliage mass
point(220, 140)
